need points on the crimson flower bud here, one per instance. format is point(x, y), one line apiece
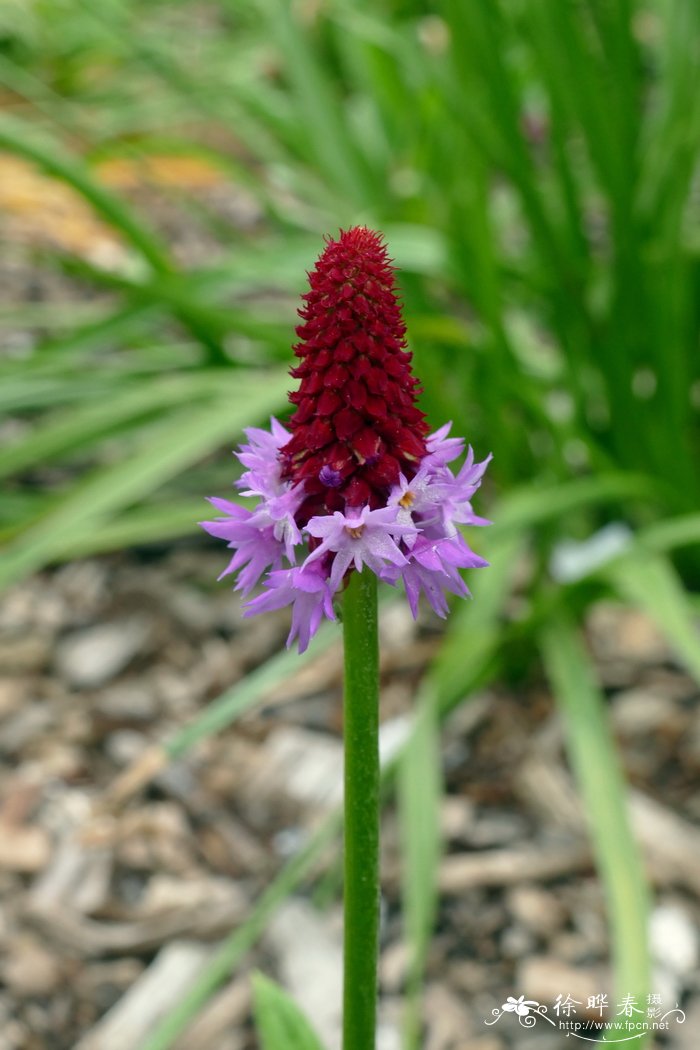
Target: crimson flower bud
point(356, 427)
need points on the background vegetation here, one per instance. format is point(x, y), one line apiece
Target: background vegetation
point(534, 166)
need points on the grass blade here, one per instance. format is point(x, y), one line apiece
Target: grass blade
point(419, 787)
point(184, 439)
point(651, 583)
point(19, 138)
point(601, 784)
point(80, 426)
point(151, 523)
point(279, 1022)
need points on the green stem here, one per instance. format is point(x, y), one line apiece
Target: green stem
point(361, 729)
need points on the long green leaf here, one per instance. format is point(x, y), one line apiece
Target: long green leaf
point(20, 138)
point(597, 767)
point(419, 787)
point(671, 533)
point(650, 582)
point(279, 1021)
point(148, 523)
point(185, 438)
point(535, 503)
point(318, 106)
point(78, 427)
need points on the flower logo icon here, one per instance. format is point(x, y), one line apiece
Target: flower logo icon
point(520, 1006)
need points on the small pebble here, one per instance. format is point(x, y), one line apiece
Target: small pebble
point(539, 911)
point(29, 969)
point(674, 939)
point(93, 655)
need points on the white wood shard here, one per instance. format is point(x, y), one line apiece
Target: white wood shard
point(159, 988)
point(309, 965)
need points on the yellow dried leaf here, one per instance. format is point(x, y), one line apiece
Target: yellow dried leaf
point(178, 172)
point(43, 211)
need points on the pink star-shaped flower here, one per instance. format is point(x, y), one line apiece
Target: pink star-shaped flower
point(360, 537)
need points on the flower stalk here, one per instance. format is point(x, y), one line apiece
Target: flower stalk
point(361, 837)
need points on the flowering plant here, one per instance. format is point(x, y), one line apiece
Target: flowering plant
point(355, 491)
point(357, 480)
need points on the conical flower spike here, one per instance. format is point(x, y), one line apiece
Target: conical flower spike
point(356, 427)
point(357, 482)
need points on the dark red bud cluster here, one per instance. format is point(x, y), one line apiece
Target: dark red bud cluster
point(356, 424)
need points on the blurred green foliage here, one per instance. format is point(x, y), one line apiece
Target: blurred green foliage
point(533, 164)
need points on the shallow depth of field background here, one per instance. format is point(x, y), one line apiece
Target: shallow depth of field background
point(167, 173)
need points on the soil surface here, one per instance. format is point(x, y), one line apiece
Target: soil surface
point(120, 875)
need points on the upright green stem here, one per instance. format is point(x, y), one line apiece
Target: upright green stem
point(361, 731)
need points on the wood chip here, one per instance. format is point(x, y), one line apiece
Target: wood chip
point(544, 978)
point(448, 1023)
point(300, 766)
point(309, 960)
point(156, 992)
point(504, 867)
point(77, 878)
point(671, 845)
point(29, 969)
point(45, 211)
point(24, 849)
point(223, 1014)
point(206, 911)
point(133, 779)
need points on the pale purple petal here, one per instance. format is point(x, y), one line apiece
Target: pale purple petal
point(309, 593)
point(471, 473)
point(279, 511)
point(261, 457)
point(256, 546)
point(432, 569)
point(441, 449)
point(280, 435)
point(225, 505)
point(416, 501)
point(437, 553)
point(453, 494)
point(360, 537)
point(341, 563)
point(416, 578)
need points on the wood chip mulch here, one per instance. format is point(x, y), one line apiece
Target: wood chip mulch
point(108, 911)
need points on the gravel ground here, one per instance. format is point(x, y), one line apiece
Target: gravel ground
point(113, 900)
